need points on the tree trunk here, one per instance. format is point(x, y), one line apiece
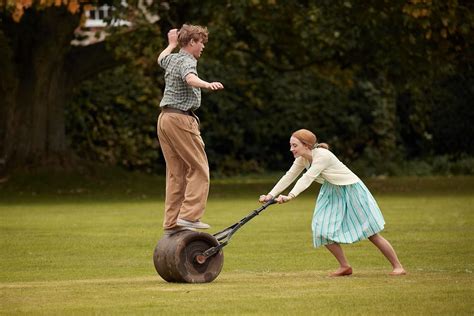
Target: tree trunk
point(44, 70)
point(35, 132)
point(8, 86)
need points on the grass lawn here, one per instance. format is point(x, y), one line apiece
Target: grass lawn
point(84, 246)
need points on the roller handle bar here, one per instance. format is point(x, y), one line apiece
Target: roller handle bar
point(224, 235)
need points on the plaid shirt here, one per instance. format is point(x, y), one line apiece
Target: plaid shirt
point(178, 94)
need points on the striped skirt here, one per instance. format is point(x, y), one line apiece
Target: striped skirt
point(345, 214)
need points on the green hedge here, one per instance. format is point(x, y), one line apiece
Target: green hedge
point(112, 120)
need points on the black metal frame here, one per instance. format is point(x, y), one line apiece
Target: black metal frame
point(224, 235)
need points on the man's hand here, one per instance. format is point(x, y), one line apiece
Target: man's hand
point(172, 43)
point(195, 81)
point(173, 37)
point(215, 86)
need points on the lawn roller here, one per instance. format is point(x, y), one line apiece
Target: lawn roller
point(196, 257)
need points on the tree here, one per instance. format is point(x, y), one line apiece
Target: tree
point(377, 51)
point(368, 66)
point(341, 68)
point(40, 68)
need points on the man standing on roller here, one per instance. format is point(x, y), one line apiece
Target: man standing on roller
point(187, 168)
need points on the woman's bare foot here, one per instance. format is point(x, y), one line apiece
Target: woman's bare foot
point(398, 271)
point(342, 271)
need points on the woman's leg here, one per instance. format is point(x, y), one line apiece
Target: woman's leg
point(345, 268)
point(386, 248)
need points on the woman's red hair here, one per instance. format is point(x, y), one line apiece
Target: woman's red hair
point(308, 139)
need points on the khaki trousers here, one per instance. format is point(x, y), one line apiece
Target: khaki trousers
point(187, 168)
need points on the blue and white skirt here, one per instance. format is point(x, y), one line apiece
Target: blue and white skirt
point(345, 214)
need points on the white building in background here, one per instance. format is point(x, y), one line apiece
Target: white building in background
point(93, 30)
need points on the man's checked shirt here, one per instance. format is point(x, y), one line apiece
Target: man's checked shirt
point(178, 94)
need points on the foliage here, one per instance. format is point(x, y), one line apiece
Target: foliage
point(342, 69)
point(112, 118)
point(453, 114)
point(379, 80)
point(446, 165)
point(116, 128)
point(18, 7)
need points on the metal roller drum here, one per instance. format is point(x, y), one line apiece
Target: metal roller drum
point(175, 258)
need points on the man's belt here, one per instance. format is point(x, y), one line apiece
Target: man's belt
point(166, 109)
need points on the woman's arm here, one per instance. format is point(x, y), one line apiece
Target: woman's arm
point(319, 163)
point(289, 177)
